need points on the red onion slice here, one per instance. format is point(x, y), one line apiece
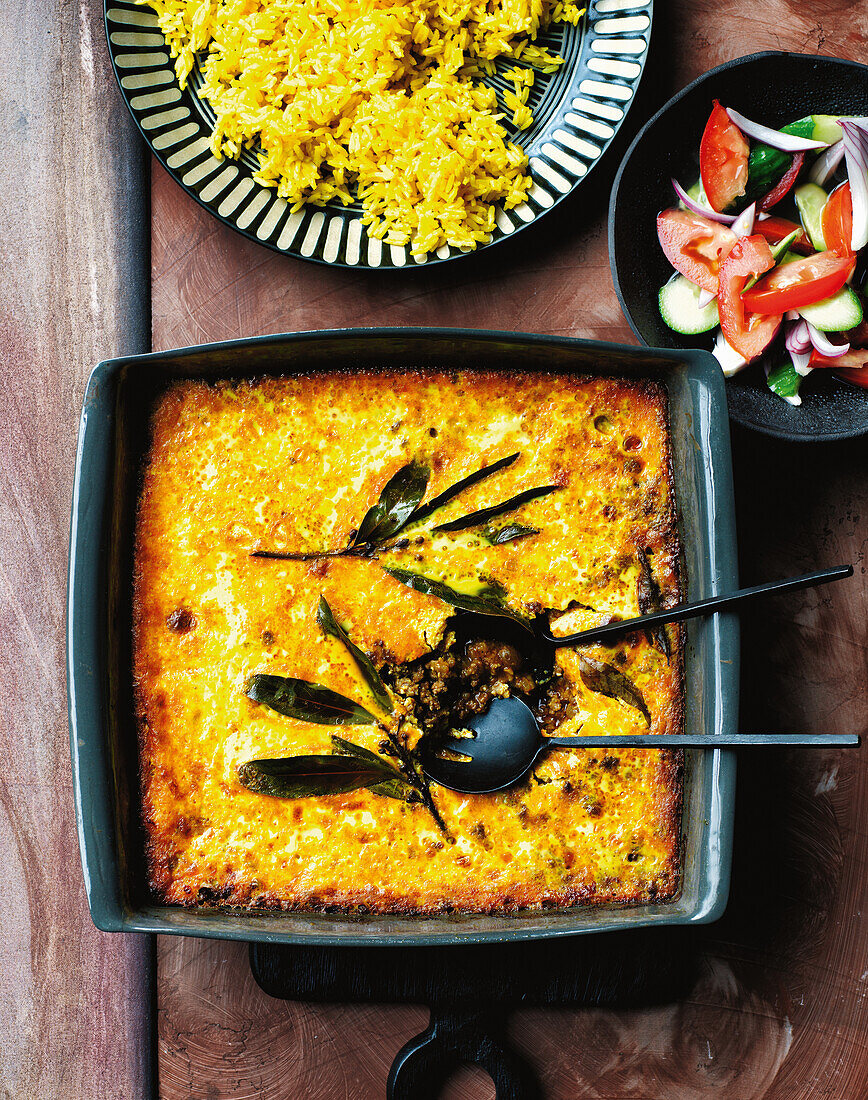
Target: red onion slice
point(743, 224)
point(826, 164)
point(798, 338)
point(800, 360)
point(692, 204)
point(824, 345)
point(705, 298)
point(784, 184)
point(855, 143)
point(787, 143)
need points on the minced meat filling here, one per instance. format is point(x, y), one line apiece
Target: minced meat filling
point(556, 706)
point(459, 679)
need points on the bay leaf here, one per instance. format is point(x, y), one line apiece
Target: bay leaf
point(393, 784)
point(483, 515)
point(330, 625)
point(497, 536)
point(443, 498)
point(306, 701)
point(649, 598)
point(398, 501)
point(488, 601)
point(609, 681)
point(312, 776)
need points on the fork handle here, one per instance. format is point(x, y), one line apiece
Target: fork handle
point(702, 607)
point(702, 740)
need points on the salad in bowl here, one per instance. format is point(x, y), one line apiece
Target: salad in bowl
point(769, 247)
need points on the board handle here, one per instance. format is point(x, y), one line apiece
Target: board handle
point(458, 1034)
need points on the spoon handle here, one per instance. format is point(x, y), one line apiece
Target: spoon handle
point(702, 740)
point(702, 607)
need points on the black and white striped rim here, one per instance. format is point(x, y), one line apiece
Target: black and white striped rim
point(577, 112)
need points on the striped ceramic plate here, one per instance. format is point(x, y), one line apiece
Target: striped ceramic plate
point(577, 111)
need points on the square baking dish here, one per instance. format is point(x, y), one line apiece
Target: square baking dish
point(113, 439)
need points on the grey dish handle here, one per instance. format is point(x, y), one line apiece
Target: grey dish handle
point(459, 1034)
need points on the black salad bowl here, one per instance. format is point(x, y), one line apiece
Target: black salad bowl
point(772, 88)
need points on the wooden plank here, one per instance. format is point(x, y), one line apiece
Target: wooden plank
point(74, 1003)
point(779, 999)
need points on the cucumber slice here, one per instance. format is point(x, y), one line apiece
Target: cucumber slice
point(826, 128)
point(680, 309)
point(766, 165)
point(785, 381)
point(780, 251)
point(810, 200)
point(697, 193)
point(836, 314)
point(780, 255)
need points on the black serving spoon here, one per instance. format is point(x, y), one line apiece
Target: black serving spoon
point(506, 740)
point(698, 608)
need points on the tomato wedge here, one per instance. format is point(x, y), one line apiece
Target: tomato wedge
point(852, 365)
point(800, 283)
point(774, 229)
point(783, 185)
point(694, 245)
point(749, 333)
point(838, 221)
point(723, 157)
point(854, 359)
point(856, 376)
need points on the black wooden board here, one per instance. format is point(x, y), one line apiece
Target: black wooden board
point(471, 991)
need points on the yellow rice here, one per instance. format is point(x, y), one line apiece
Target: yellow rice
point(382, 99)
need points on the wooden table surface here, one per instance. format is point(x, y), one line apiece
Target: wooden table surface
point(779, 1005)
